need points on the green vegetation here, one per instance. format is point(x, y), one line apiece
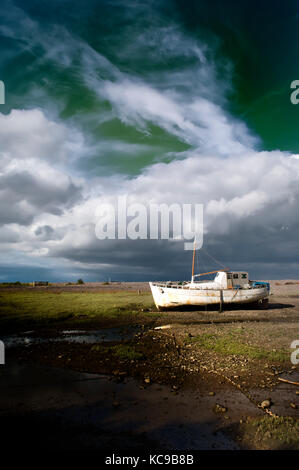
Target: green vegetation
point(273, 433)
point(15, 284)
point(29, 308)
point(232, 343)
point(125, 352)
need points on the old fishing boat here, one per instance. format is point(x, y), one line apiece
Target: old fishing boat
point(227, 287)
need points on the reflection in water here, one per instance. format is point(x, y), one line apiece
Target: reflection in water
point(73, 336)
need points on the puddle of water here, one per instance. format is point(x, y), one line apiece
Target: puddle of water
point(73, 336)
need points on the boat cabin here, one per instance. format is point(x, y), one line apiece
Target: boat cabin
point(232, 279)
point(224, 280)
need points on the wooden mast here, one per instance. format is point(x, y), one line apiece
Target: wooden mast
point(193, 262)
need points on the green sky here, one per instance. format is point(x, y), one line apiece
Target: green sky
point(259, 39)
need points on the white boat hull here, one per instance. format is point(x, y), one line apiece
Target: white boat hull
point(171, 297)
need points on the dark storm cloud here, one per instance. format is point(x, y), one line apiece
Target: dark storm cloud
point(137, 259)
point(46, 233)
point(25, 195)
point(259, 243)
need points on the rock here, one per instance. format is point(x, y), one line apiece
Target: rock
point(211, 394)
point(175, 387)
point(220, 408)
point(293, 405)
point(266, 403)
point(147, 380)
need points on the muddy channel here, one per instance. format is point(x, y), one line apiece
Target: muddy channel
point(59, 408)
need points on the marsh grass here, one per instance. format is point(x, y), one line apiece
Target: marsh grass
point(273, 433)
point(120, 351)
point(31, 308)
point(126, 352)
point(235, 343)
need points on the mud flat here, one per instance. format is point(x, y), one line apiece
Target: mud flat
point(96, 366)
point(92, 411)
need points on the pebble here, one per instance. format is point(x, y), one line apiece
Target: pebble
point(293, 405)
point(220, 408)
point(163, 327)
point(266, 404)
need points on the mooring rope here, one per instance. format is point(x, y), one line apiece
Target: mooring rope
point(242, 390)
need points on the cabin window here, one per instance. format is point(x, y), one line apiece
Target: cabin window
point(244, 276)
point(236, 276)
point(229, 276)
